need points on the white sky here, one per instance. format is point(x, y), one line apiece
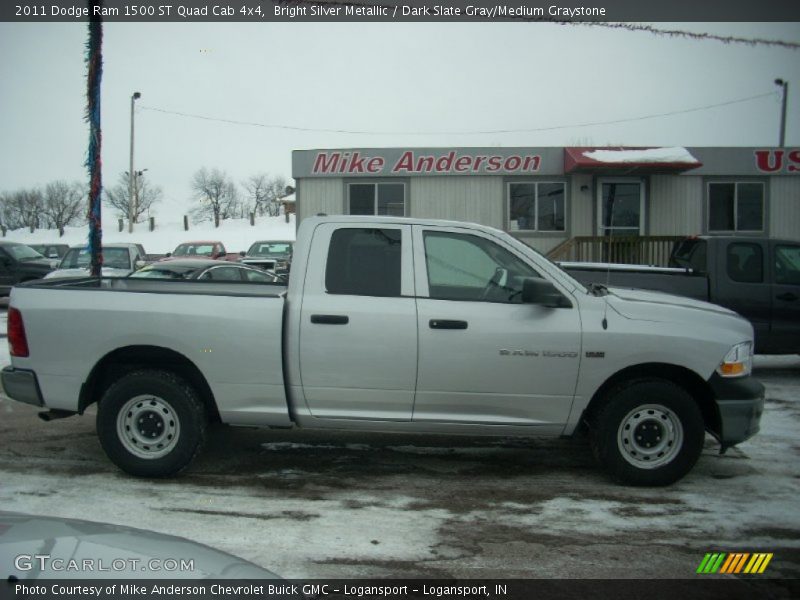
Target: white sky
point(397, 76)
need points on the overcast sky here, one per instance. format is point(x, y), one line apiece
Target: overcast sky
point(398, 77)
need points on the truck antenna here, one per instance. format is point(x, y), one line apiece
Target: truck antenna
point(609, 231)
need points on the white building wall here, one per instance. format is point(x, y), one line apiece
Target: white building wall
point(581, 209)
point(784, 209)
point(319, 196)
point(676, 205)
point(474, 199)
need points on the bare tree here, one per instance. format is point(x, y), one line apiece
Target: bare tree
point(64, 204)
point(22, 208)
point(264, 193)
point(217, 195)
point(145, 193)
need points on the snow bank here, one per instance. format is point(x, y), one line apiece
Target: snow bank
point(236, 234)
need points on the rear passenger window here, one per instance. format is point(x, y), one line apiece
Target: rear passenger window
point(745, 263)
point(364, 262)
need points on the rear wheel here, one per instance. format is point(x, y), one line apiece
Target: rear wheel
point(648, 432)
point(151, 423)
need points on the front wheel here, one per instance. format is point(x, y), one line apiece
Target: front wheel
point(649, 432)
point(151, 423)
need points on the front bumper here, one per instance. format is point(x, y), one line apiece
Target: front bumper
point(21, 385)
point(740, 402)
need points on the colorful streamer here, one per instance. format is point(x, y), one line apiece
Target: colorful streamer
point(94, 75)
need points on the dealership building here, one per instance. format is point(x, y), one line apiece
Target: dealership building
point(550, 197)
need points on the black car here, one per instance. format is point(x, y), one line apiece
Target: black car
point(19, 263)
point(53, 251)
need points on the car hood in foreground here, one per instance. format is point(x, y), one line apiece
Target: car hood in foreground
point(113, 551)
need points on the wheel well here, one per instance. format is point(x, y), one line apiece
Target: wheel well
point(124, 360)
point(681, 376)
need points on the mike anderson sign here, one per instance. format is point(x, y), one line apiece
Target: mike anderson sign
point(518, 162)
point(402, 162)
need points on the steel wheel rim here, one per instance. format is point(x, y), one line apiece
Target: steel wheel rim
point(650, 436)
point(148, 426)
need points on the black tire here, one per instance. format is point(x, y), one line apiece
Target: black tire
point(151, 423)
point(648, 432)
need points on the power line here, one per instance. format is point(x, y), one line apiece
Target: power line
point(474, 132)
point(676, 33)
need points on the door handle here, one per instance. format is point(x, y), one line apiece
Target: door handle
point(447, 324)
point(330, 319)
point(788, 296)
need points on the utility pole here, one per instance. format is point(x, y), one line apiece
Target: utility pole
point(131, 172)
point(784, 85)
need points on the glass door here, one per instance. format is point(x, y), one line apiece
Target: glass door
point(620, 210)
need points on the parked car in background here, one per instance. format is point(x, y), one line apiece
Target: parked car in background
point(55, 252)
point(205, 270)
point(119, 260)
point(270, 255)
point(757, 277)
point(203, 249)
point(19, 263)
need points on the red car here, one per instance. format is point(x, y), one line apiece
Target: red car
point(202, 249)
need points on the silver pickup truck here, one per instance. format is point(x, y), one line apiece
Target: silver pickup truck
point(395, 325)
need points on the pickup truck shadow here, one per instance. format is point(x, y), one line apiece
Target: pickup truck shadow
point(289, 459)
point(313, 464)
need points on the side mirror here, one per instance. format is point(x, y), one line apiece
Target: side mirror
point(139, 264)
point(241, 253)
point(168, 255)
point(542, 292)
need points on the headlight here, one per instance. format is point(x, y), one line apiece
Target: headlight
point(738, 362)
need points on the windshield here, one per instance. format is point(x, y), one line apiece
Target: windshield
point(22, 252)
point(270, 249)
point(562, 273)
point(194, 250)
point(79, 258)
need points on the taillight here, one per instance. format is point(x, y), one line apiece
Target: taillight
point(17, 342)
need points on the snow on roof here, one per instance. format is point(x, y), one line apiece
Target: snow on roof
point(676, 154)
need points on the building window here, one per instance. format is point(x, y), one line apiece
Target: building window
point(537, 206)
point(735, 206)
point(376, 199)
point(364, 262)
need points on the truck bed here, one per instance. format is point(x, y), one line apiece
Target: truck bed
point(682, 282)
point(232, 332)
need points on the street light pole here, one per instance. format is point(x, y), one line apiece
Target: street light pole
point(784, 85)
point(136, 187)
point(131, 172)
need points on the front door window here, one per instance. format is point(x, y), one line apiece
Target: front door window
point(621, 210)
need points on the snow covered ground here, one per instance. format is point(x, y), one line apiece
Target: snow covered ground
point(322, 504)
point(236, 234)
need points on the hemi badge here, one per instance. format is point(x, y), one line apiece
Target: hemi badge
point(595, 355)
